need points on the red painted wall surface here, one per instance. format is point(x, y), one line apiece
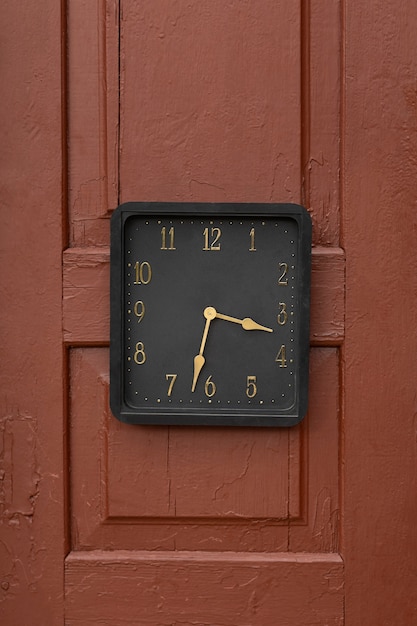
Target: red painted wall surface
point(101, 523)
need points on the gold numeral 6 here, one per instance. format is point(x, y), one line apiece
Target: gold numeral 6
point(209, 387)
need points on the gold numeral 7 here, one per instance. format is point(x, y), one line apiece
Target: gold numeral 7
point(171, 378)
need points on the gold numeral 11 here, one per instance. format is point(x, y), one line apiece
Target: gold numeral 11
point(164, 238)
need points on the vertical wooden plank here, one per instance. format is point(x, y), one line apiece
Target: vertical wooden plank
point(210, 101)
point(31, 366)
point(380, 172)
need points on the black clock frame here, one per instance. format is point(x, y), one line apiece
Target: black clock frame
point(207, 416)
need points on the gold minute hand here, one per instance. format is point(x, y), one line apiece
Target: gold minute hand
point(209, 313)
point(247, 323)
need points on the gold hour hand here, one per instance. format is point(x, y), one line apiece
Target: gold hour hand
point(247, 323)
point(199, 360)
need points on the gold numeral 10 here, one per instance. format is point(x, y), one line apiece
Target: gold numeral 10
point(281, 358)
point(164, 238)
point(215, 234)
point(143, 273)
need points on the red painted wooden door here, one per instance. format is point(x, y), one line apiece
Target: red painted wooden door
point(105, 523)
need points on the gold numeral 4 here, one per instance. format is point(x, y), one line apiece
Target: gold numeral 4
point(281, 358)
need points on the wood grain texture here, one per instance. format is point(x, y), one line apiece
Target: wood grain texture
point(93, 118)
point(210, 101)
point(162, 589)
point(32, 522)
point(86, 316)
point(211, 488)
point(380, 226)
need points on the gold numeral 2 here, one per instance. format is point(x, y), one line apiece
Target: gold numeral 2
point(283, 268)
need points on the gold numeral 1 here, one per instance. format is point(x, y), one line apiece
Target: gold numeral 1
point(283, 268)
point(215, 234)
point(252, 240)
point(281, 358)
point(171, 233)
point(171, 378)
point(251, 389)
point(139, 356)
point(143, 273)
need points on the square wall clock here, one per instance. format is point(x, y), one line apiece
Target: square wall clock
point(210, 313)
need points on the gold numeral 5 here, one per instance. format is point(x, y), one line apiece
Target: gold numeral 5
point(251, 388)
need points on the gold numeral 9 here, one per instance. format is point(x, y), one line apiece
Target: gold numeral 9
point(139, 310)
point(282, 316)
point(251, 388)
point(139, 356)
point(143, 273)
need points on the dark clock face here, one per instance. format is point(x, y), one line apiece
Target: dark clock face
point(210, 314)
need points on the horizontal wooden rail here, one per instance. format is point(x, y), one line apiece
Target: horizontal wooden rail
point(86, 306)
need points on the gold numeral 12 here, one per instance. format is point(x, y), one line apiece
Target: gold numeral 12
point(215, 234)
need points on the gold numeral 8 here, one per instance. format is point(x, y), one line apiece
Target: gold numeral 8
point(139, 356)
